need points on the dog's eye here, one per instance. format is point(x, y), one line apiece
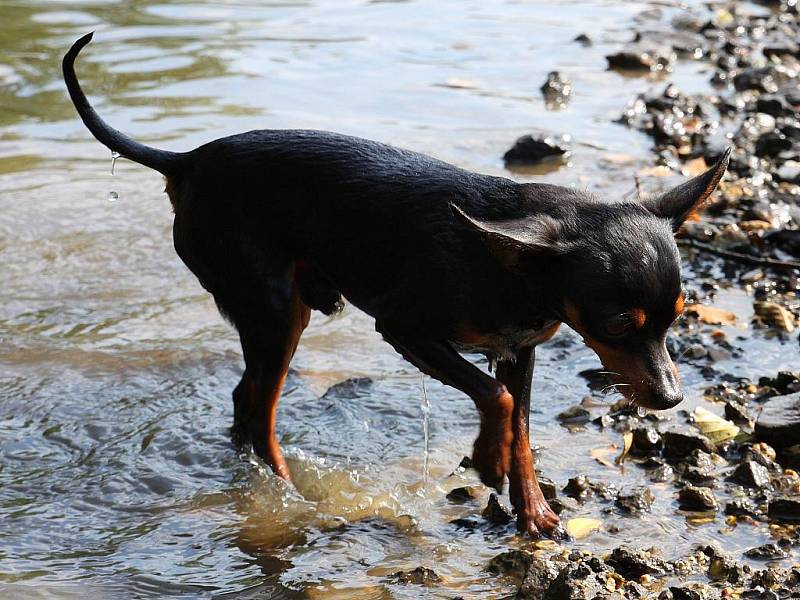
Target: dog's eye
point(618, 325)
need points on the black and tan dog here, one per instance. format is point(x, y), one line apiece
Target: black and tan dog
point(276, 223)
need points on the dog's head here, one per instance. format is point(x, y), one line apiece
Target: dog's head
point(615, 275)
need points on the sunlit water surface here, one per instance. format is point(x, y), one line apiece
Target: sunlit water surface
point(117, 474)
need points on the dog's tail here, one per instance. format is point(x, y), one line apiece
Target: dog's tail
point(161, 160)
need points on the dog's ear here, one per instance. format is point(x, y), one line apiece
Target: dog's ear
point(681, 201)
point(513, 239)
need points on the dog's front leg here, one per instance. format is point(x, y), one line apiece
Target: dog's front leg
point(492, 452)
point(534, 514)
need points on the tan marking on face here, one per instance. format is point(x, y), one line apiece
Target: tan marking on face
point(639, 317)
point(679, 303)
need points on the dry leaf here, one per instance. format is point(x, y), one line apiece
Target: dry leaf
point(775, 315)
point(658, 171)
point(694, 167)
point(713, 426)
point(627, 442)
point(711, 314)
point(600, 454)
point(581, 527)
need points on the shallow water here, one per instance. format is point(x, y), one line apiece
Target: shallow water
point(117, 474)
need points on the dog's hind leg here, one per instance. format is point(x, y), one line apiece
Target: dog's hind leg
point(269, 333)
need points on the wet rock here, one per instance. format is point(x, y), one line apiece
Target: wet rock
point(742, 507)
point(763, 454)
point(575, 415)
point(514, 563)
point(694, 591)
point(561, 504)
point(579, 488)
point(557, 89)
point(632, 564)
point(699, 476)
point(736, 412)
point(760, 79)
point(538, 578)
point(529, 150)
point(724, 568)
point(658, 470)
point(639, 57)
point(774, 105)
point(751, 474)
point(789, 172)
point(418, 576)
point(636, 501)
point(576, 581)
point(681, 441)
point(767, 552)
point(785, 382)
point(646, 441)
point(462, 494)
point(697, 499)
point(548, 487)
point(349, 389)
point(583, 39)
point(466, 463)
point(772, 144)
point(779, 421)
point(785, 509)
point(495, 512)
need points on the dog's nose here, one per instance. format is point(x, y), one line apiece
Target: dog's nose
point(668, 399)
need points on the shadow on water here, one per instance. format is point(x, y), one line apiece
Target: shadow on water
point(117, 474)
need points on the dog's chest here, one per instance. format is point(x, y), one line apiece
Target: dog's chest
point(505, 344)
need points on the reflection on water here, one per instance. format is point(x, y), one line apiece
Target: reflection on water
point(117, 476)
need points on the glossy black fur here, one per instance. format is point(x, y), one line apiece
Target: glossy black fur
point(441, 257)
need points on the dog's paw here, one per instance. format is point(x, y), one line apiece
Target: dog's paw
point(492, 461)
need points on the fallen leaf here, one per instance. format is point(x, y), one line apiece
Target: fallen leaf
point(713, 426)
point(580, 527)
point(775, 315)
point(694, 167)
point(627, 442)
point(600, 454)
point(711, 314)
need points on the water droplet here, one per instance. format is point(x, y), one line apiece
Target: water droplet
point(113, 196)
point(426, 414)
point(114, 157)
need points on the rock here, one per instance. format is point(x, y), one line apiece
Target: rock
point(772, 144)
point(418, 576)
point(680, 442)
point(538, 579)
point(693, 591)
point(785, 382)
point(767, 552)
point(736, 412)
point(646, 441)
point(741, 507)
point(699, 476)
point(559, 505)
point(495, 512)
point(637, 501)
point(724, 568)
point(642, 58)
point(557, 89)
point(756, 79)
point(658, 470)
point(529, 150)
point(514, 563)
point(576, 581)
point(578, 487)
point(583, 39)
point(790, 172)
point(632, 564)
point(547, 486)
point(785, 509)
point(697, 499)
point(575, 415)
point(462, 494)
point(751, 474)
point(779, 421)
point(466, 463)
